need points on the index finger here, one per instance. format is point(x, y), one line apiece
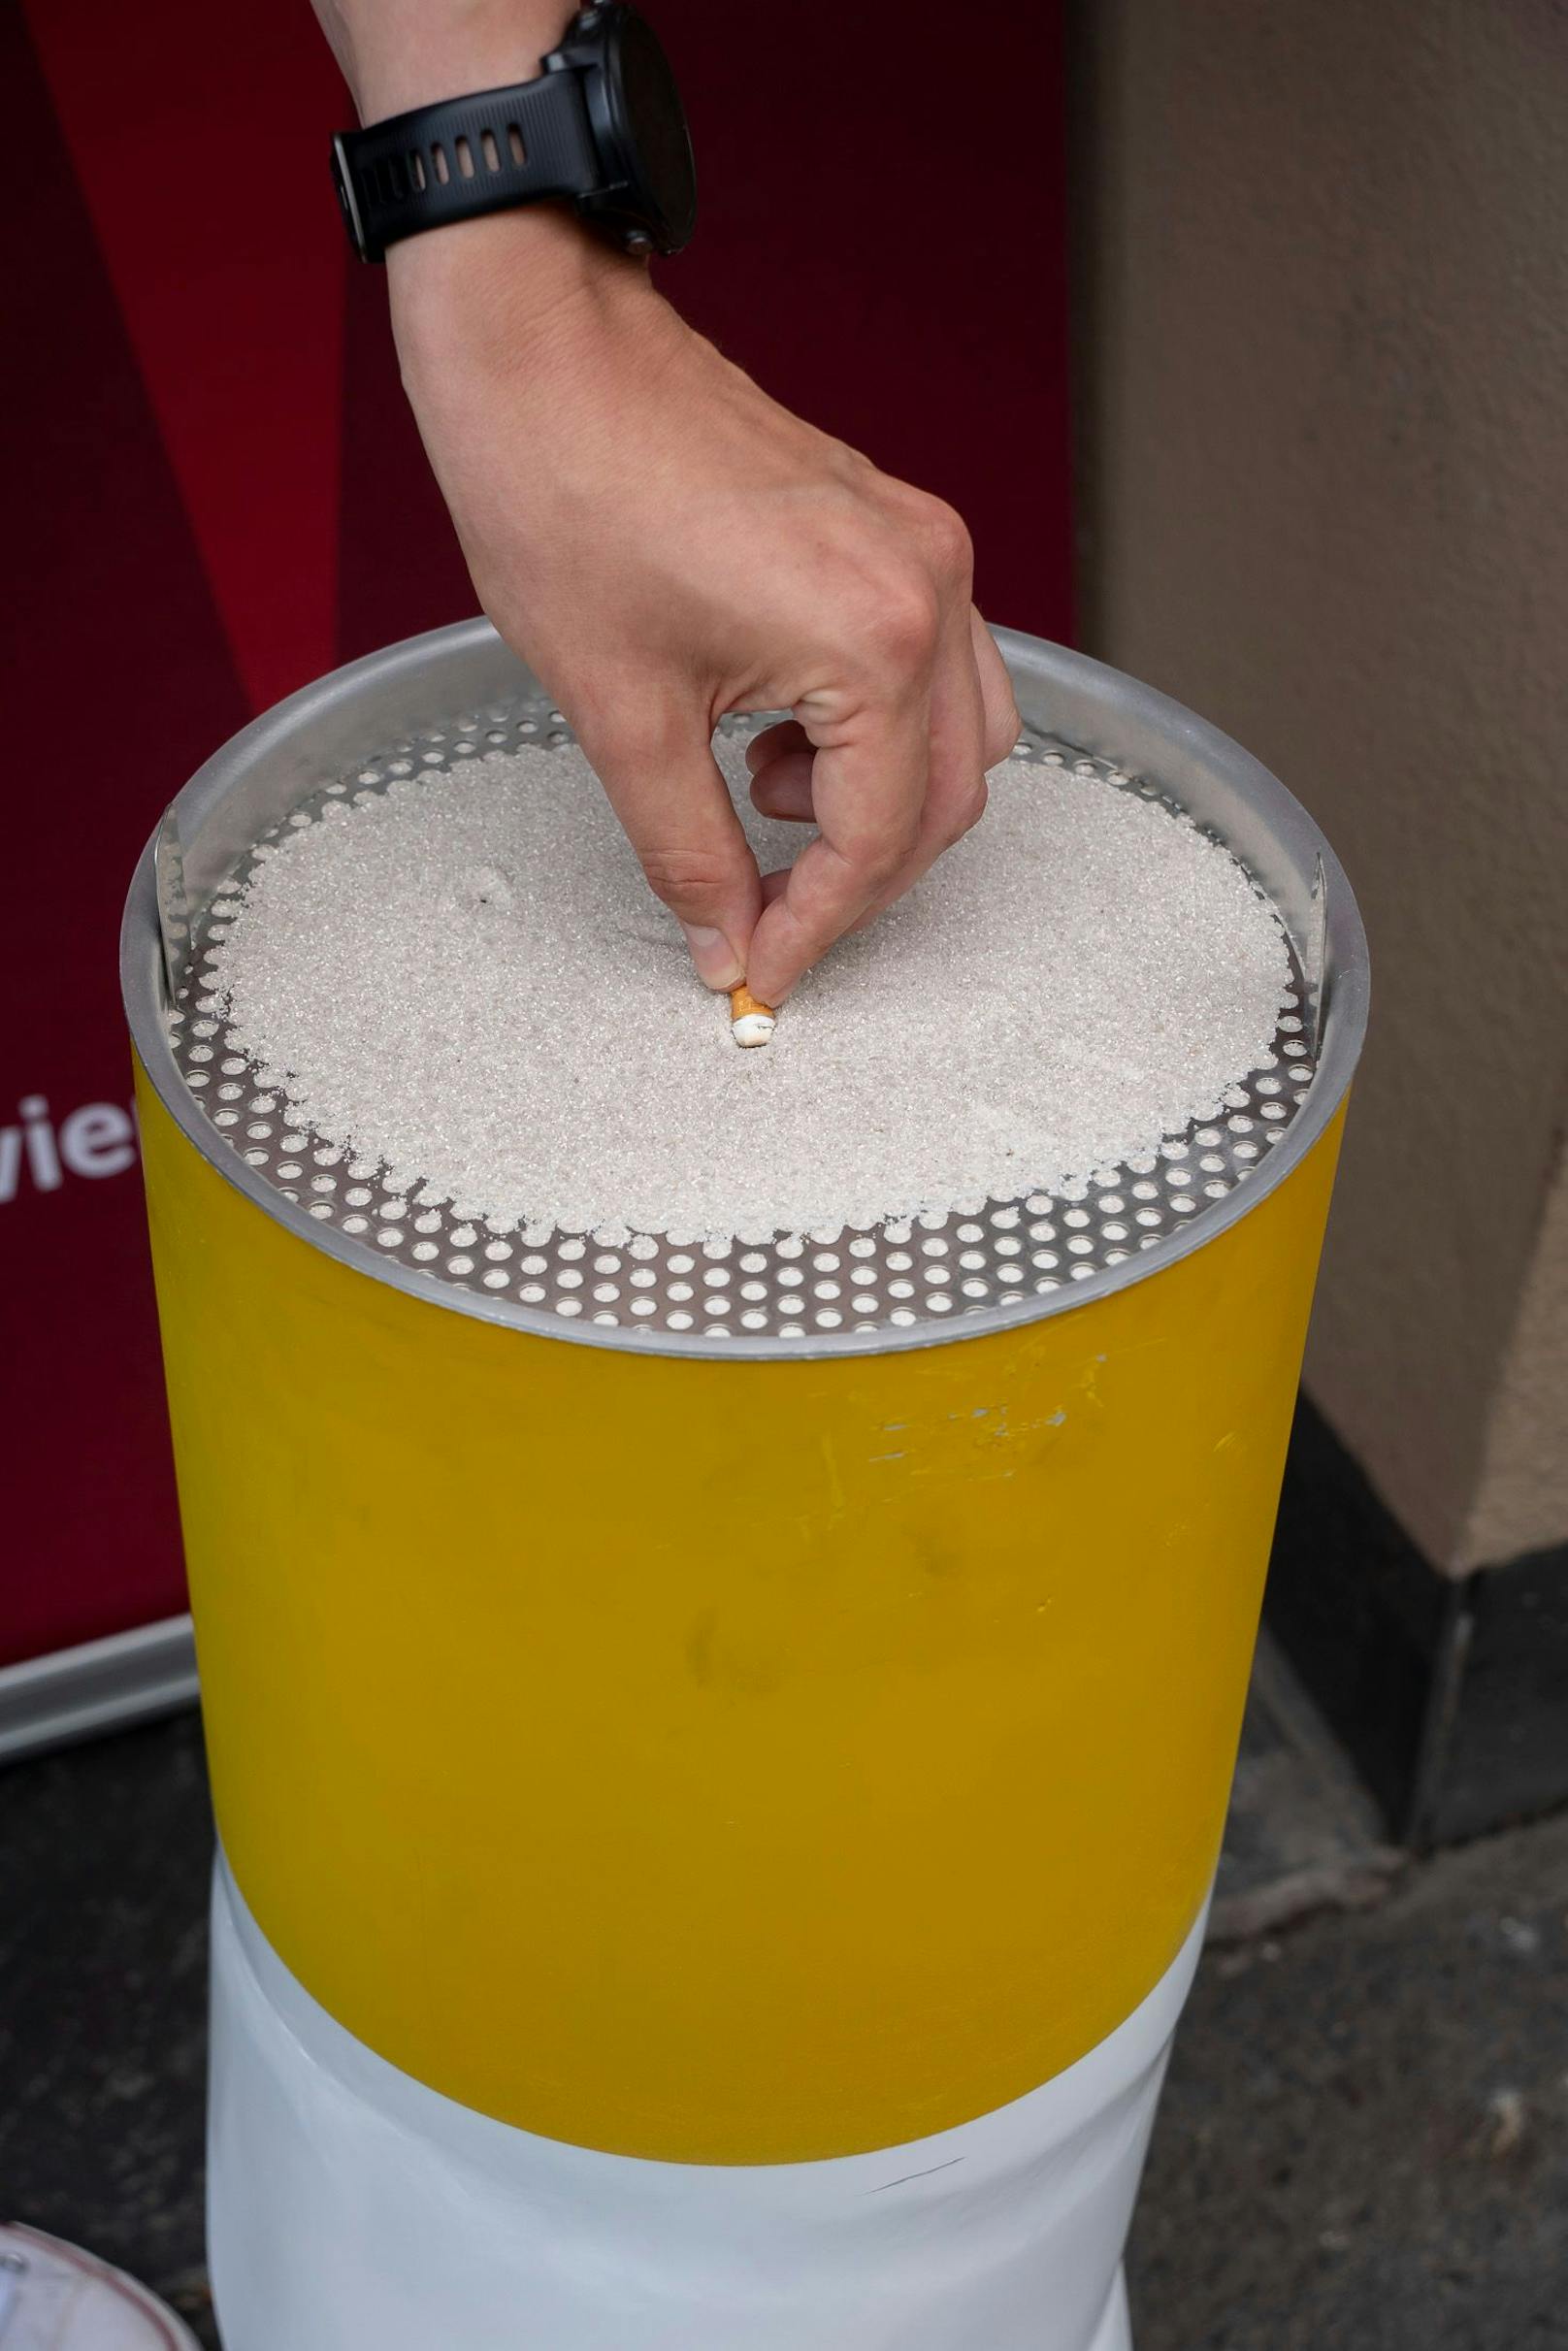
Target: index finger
point(868, 782)
point(675, 805)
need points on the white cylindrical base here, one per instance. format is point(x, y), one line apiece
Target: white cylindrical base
point(350, 2206)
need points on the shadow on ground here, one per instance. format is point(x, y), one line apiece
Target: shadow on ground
point(1364, 2145)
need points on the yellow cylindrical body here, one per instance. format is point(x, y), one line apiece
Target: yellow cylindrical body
point(727, 1761)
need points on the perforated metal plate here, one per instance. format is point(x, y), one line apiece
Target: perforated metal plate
point(985, 1258)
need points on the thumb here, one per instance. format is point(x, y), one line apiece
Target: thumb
point(674, 806)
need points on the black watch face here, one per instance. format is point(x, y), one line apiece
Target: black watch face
point(641, 129)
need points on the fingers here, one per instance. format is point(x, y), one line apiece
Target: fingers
point(957, 796)
point(676, 807)
point(1002, 724)
point(780, 756)
point(784, 790)
point(771, 743)
point(787, 783)
point(869, 771)
point(890, 759)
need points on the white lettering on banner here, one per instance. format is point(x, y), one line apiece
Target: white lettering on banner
point(42, 1156)
point(97, 1140)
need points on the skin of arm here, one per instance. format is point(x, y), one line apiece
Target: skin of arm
point(662, 544)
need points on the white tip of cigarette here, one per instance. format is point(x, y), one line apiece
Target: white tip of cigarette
point(751, 1021)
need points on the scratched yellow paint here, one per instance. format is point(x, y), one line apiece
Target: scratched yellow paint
point(669, 1791)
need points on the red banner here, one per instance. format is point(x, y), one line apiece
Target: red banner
point(214, 490)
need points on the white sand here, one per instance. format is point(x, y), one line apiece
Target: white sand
point(466, 980)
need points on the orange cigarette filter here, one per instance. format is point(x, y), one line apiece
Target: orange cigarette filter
point(751, 1021)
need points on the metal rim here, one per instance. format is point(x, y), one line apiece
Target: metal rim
point(1104, 710)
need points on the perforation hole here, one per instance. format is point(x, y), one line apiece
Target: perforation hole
point(464, 154)
point(437, 156)
point(490, 151)
point(515, 146)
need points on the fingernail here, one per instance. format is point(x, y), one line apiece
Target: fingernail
point(717, 963)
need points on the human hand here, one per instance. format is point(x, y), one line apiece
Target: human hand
point(663, 543)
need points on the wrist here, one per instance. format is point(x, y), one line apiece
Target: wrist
point(401, 53)
point(520, 294)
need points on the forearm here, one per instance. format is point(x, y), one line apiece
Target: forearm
point(400, 54)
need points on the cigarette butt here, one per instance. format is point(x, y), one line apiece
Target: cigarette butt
point(751, 1021)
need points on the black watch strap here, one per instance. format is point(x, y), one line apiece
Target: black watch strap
point(464, 157)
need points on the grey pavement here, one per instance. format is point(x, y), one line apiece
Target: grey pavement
point(1363, 2144)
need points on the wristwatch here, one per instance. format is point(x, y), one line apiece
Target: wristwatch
point(602, 128)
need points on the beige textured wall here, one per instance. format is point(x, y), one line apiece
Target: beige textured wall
point(1521, 1500)
point(1324, 482)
